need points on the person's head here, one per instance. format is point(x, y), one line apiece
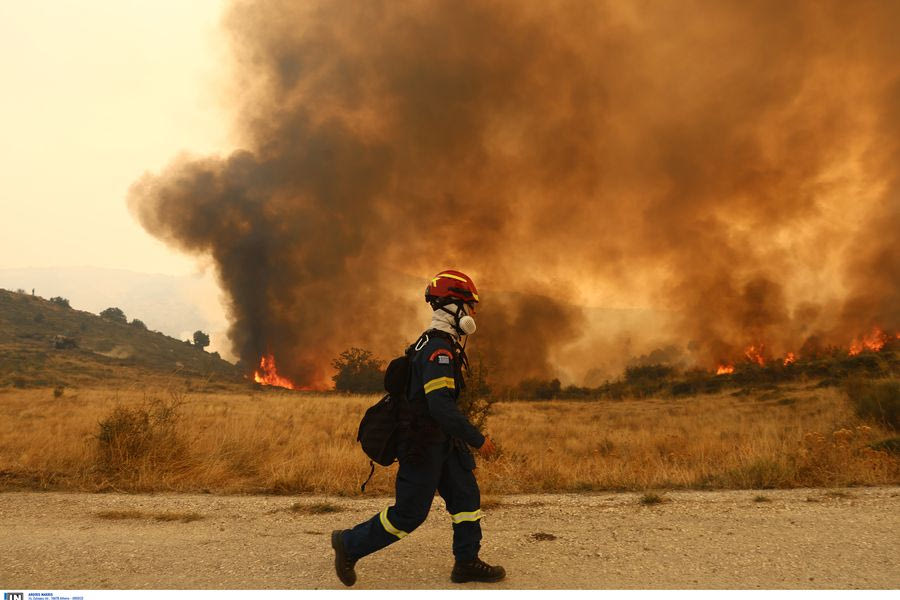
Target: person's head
point(454, 293)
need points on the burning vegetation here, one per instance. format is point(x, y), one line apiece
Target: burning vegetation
point(267, 374)
point(735, 168)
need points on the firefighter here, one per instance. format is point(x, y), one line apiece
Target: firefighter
point(433, 450)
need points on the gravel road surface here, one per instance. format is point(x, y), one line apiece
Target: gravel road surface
point(726, 539)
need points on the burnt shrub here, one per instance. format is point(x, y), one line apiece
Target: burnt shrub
point(143, 436)
point(877, 400)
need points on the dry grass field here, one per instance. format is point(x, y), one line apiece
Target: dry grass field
point(284, 443)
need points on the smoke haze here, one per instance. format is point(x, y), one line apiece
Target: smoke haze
point(731, 165)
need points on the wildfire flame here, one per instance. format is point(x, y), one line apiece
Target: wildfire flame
point(874, 341)
point(267, 374)
point(755, 355)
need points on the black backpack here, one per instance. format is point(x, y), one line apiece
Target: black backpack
point(380, 426)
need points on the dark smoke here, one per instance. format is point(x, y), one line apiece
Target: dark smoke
point(732, 165)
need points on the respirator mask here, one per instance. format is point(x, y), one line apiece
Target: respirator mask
point(465, 324)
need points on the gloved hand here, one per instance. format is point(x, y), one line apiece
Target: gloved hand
point(487, 449)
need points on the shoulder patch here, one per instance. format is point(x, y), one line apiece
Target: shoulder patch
point(441, 356)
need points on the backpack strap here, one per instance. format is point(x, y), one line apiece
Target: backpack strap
point(457, 347)
point(371, 472)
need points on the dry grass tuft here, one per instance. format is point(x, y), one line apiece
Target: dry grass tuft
point(488, 502)
point(761, 498)
point(186, 517)
point(838, 494)
point(652, 498)
point(540, 536)
point(316, 508)
point(135, 440)
point(122, 515)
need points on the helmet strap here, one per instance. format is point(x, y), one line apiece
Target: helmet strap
point(456, 316)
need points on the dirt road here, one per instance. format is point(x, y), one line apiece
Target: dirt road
point(743, 539)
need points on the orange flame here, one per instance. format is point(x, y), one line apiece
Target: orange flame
point(725, 370)
point(874, 341)
point(755, 354)
point(267, 374)
point(790, 359)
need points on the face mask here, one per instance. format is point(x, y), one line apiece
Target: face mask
point(467, 325)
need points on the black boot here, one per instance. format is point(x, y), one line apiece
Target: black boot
point(476, 570)
point(343, 564)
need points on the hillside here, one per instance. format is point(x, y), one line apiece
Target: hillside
point(105, 351)
point(173, 305)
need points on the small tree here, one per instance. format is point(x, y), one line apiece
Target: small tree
point(201, 340)
point(477, 400)
point(358, 372)
point(137, 323)
point(58, 300)
point(114, 314)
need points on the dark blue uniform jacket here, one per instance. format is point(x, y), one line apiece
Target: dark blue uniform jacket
point(435, 383)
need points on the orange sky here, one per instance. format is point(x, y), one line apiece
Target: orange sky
point(95, 94)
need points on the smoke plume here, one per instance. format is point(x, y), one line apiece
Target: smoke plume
point(731, 166)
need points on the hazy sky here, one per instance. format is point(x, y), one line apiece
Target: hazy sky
point(94, 94)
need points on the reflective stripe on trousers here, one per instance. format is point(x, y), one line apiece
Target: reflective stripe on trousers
point(389, 527)
point(467, 516)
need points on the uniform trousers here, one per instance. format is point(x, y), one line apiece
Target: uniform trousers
point(445, 467)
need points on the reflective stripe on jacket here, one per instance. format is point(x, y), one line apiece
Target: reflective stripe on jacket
point(436, 382)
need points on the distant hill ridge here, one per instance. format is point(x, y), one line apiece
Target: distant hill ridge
point(43, 343)
point(173, 304)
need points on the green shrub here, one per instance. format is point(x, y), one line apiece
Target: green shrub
point(114, 314)
point(201, 339)
point(876, 400)
point(357, 372)
point(476, 400)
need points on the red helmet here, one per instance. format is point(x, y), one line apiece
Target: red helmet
point(448, 286)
